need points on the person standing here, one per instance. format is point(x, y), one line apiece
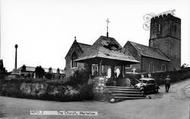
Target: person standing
point(167, 83)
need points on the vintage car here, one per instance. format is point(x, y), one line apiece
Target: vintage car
point(147, 85)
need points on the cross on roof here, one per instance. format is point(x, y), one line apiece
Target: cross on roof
point(107, 21)
point(75, 38)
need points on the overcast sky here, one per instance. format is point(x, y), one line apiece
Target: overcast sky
point(44, 29)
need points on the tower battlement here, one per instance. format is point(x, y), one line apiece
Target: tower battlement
point(166, 16)
point(165, 25)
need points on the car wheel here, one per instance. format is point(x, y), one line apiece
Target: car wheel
point(143, 91)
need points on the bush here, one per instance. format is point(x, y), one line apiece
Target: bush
point(80, 77)
point(86, 92)
point(76, 89)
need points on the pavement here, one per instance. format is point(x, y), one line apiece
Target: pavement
point(172, 105)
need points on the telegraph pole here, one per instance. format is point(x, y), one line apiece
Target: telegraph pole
point(16, 46)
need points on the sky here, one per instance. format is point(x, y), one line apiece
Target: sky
point(45, 29)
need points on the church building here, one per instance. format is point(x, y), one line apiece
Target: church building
point(164, 50)
point(162, 54)
point(76, 50)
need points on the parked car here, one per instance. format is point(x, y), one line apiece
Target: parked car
point(147, 85)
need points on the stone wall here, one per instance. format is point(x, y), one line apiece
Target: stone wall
point(176, 76)
point(39, 90)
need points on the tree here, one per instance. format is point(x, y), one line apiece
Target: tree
point(58, 73)
point(23, 69)
point(39, 71)
point(50, 70)
point(58, 70)
point(49, 75)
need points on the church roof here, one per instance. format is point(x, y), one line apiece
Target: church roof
point(107, 48)
point(149, 51)
point(84, 47)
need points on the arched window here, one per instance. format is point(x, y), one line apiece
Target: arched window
point(159, 28)
point(175, 28)
point(73, 58)
point(163, 67)
point(151, 67)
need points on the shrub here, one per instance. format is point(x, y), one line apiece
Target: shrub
point(79, 77)
point(86, 92)
point(75, 89)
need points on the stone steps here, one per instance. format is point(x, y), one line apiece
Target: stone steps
point(120, 93)
point(128, 98)
point(120, 87)
point(126, 92)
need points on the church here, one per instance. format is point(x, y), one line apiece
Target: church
point(163, 53)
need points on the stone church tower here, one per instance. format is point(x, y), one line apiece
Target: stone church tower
point(165, 34)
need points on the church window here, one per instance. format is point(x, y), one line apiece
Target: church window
point(151, 67)
point(159, 28)
point(163, 67)
point(154, 29)
point(175, 28)
point(73, 58)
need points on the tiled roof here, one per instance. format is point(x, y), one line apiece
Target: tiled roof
point(84, 47)
point(106, 47)
point(149, 51)
point(107, 42)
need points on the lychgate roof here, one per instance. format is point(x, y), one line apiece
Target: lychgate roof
point(107, 48)
point(107, 42)
point(149, 51)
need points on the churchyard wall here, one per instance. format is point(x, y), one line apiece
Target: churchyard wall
point(175, 76)
point(58, 90)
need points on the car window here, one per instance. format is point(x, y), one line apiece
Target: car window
point(151, 81)
point(144, 81)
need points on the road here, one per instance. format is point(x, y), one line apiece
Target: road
point(172, 105)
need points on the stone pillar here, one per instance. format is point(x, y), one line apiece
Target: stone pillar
point(100, 68)
point(90, 69)
point(112, 71)
point(16, 46)
point(121, 71)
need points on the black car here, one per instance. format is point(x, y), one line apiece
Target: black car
point(148, 85)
